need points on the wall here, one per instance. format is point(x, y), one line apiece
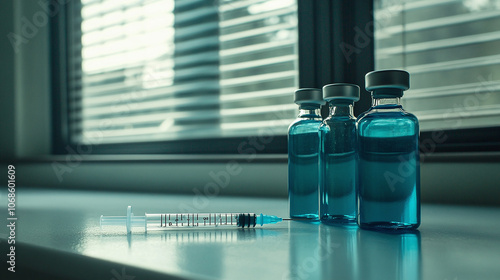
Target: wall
point(25, 140)
point(7, 104)
point(25, 76)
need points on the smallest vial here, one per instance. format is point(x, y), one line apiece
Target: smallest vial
point(338, 159)
point(303, 155)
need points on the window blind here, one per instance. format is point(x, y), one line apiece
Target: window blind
point(452, 50)
point(180, 69)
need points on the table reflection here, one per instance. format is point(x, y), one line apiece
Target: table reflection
point(389, 255)
point(347, 252)
point(340, 251)
point(305, 250)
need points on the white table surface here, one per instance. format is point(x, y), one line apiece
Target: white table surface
point(58, 237)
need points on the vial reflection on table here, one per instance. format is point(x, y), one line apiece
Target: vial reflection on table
point(389, 255)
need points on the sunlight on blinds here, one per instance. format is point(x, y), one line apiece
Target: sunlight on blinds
point(181, 69)
point(452, 50)
point(258, 65)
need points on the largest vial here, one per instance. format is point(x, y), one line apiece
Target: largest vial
point(389, 170)
point(303, 155)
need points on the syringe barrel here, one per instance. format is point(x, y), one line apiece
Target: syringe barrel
point(187, 220)
point(193, 220)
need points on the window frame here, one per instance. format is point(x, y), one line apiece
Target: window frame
point(321, 61)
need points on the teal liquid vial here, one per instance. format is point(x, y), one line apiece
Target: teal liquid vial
point(338, 159)
point(389, 170)
point(303, 155)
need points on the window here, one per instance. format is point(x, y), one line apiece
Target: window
point(201, 76)
point(142, 71)
point(452, 50)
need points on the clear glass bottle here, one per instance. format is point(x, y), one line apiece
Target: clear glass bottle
point(389, 170)
point(303, 155)
point(338, 199)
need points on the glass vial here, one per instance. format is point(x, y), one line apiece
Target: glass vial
point(389, 170)
point(338, 199)
point(303, 155)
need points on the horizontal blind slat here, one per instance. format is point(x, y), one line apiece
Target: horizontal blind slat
point(179, 69)
point(451, 50)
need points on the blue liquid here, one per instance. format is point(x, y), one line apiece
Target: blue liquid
point(389, 172)
point(303, 169)
point(338, 190)
point(338, 171)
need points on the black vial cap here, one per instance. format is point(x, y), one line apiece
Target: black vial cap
point(341, 91)
point(309, 96)
point(388, 79)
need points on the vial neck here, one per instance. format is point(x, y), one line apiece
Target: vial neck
point(342, 109)
point(386, 102)
point(309, 112)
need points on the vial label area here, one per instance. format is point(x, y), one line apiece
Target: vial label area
point(389, 180)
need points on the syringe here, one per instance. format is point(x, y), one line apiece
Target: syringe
point(188, 220)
